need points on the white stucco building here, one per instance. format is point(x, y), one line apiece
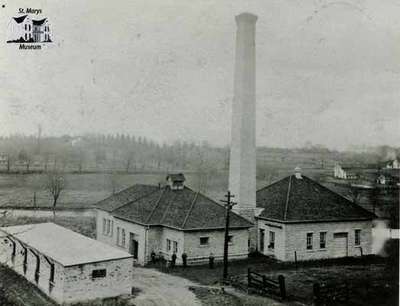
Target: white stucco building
point(171, 219)
point(65, 265)
point(301, 218)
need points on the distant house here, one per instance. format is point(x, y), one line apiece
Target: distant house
point(302, 219)
point(173, 219)
point(342, 173)
point(65, 265)
point(25, 29)
point(381, 180)
point(393, 164)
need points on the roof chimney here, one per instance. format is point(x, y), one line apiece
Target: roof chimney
point(176, 181)
point(297, 172)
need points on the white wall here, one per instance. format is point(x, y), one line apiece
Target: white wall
point(43, 284)
point(80, 286)
point(279, 229)
point(139, 231)
point(199, 253)
point(296, 239)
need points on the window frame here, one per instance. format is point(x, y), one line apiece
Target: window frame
point(309, 246)
point(99, 273)
point(175, 246)
point(357, 237)
point(168, 246)
point(207, 239)
point(271, 240)
point(123, 237)
point(322, 242)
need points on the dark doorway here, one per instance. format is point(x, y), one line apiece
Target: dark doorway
point(133, 246)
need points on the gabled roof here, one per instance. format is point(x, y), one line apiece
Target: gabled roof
point(20, 19)
point(303, 199)
point(63, 245)
point(38, 22)
point(181, 209)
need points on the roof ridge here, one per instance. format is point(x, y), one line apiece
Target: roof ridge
point(166, 209)
point(155, 206)
point(190, 209)
point(274, 183)
point(135, 200)
point(338, 194)
point(287, 198)
point(222, 206)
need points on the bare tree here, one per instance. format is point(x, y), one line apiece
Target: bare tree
point(55, 184)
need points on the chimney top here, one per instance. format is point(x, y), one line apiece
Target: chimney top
point(297, 172)
point(246, 17)
point(176, 181)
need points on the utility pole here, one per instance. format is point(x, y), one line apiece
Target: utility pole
point(228, 206)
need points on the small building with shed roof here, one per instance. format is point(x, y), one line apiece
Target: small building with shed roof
point(65, 265)
point(146, 219)
point(300, 219)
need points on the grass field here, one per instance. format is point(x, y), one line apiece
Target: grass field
point(383, 273)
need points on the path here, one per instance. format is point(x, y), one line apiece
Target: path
point(160, 289)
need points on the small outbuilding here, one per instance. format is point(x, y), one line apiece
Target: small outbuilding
point(65, 265)
point(301, 219)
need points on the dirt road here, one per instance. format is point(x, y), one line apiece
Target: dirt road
point(162, 289)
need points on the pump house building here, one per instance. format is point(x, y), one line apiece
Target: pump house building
point(171, 219)
point(301, 219)
point(65, 265)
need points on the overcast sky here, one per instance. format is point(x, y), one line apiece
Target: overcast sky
point(327, 71)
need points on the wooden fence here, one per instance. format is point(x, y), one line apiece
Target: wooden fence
point(267, 285)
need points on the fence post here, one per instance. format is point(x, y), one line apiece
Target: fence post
point(248, 277)
point(317, 292)
point(295, 259)
point(282, 286)
point(264, 280)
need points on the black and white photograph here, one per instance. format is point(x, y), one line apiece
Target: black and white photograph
point(205, 152)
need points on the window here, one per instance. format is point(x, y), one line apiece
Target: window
point(322, 240)
point(309, 241)
point(168, 245)
point(26, 27)
point(204, 240)
point(118, 235)
point(357, 237)
point(230, 239)
point(271, 240)
point(99, 273)
point(175, 246)
point(262, 237)
point(29, 27)
point(108, 227)
point(104, 225)
point(26, 36)
point(123, 237)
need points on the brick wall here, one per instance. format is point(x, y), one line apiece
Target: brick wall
point(296, 239)
point(79, 284)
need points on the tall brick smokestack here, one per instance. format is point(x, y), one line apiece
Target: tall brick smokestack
point(242, 169)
